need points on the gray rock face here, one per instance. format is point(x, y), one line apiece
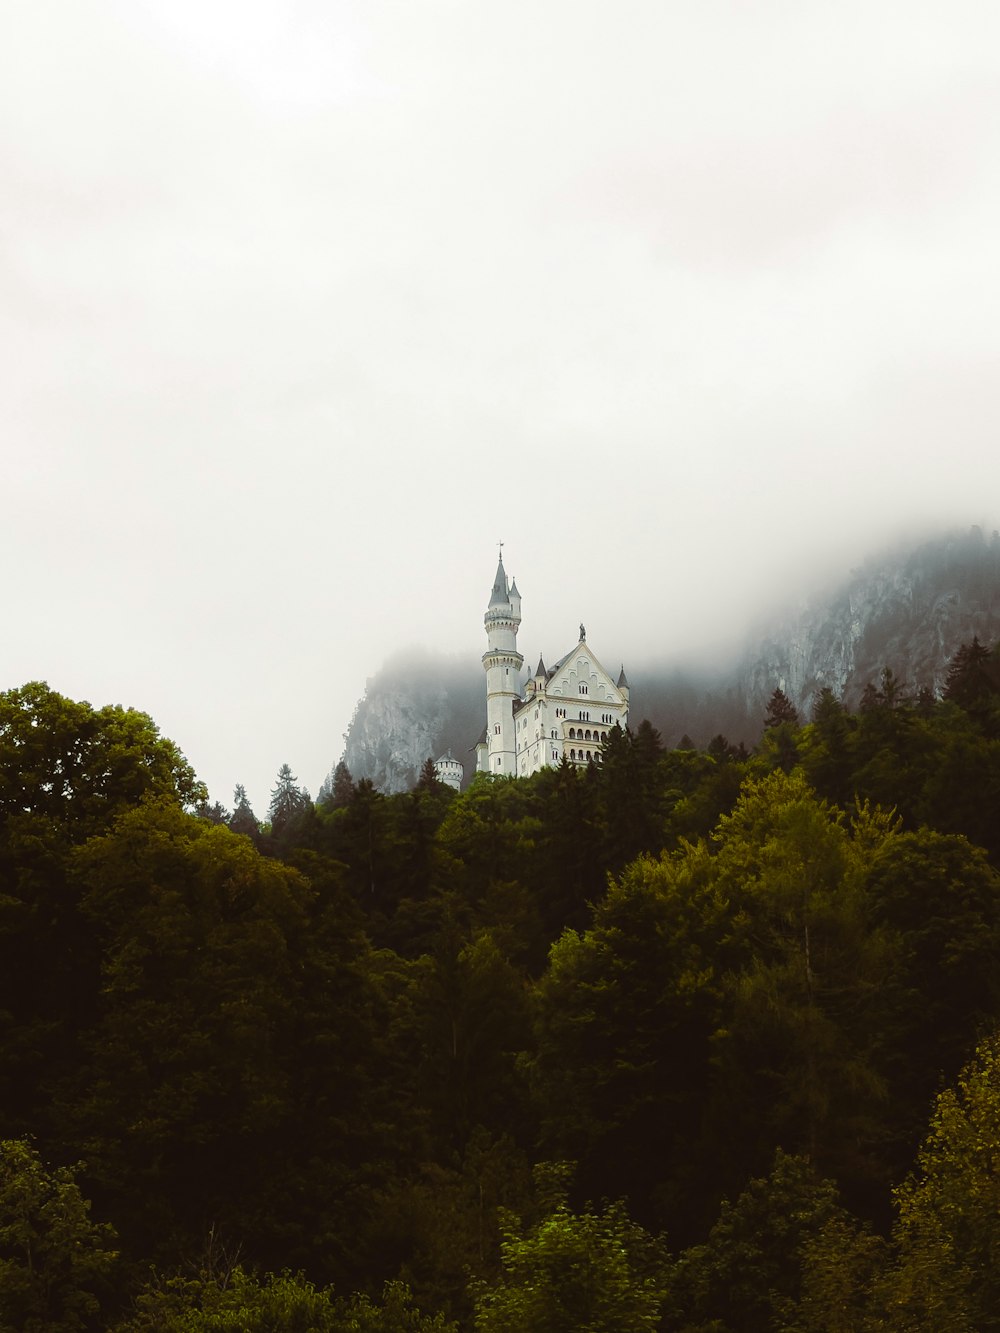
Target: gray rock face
point(910, 611)
point(415, 709)
point(392, 734)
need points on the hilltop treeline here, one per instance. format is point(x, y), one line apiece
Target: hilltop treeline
point(688, 1039)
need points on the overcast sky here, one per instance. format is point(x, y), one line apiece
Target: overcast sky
point(305, 305)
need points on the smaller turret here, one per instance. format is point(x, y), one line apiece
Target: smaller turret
point(623, 684)
point(449, 770)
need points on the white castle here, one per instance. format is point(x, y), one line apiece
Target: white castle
point(564, 711)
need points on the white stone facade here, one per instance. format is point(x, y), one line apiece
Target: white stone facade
point(562, 712)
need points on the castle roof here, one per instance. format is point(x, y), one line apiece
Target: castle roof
point(622, 679)
point(500, 595)
point(540, 669)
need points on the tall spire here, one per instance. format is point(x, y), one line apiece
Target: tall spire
point(499, 596)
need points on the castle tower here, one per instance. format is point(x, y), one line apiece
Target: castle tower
point(503, 665)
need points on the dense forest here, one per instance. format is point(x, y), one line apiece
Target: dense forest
point(690, 1039)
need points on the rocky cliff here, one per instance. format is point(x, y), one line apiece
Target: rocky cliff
point(416, 708)
point(909, 610)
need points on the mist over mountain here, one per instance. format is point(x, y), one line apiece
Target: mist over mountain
point(909, 609)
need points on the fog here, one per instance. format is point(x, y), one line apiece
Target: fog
point(304, 307)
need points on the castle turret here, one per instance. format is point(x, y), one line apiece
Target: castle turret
point(515, 600)
point(449, 770)
point(502, 663)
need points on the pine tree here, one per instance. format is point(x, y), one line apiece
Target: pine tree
point(337, 791)
point(780, 709)
point(973, 680)
point(243, 820)
point(288, 800)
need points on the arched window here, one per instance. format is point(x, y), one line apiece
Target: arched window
point(572, 733)
point(587, 736)
point(572, 754)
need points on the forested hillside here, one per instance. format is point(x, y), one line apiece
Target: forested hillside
point(689, 1039)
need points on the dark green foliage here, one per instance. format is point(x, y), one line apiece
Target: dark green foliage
point(624, 1018)
point(974, 681)
point(216, 813)
point(338, 789)
point(235, 1025)
point(341, 1059)
point(66, 771)
point(780, 723)
point(750, 1269)
point(55, 1262)
point(941, 900)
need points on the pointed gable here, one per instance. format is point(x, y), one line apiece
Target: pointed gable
point(579, 674)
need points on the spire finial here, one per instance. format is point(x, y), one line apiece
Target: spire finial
point(500, 549)
point(583, 632)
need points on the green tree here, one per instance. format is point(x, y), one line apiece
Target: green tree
point(826, 749)
point(632, 794)
point(780, 710)
point(779, 743)
point(948, 1274)
point(243, 820)
point(72, 768)
point(236, 1026)
point(799, 1051)
point(55, 1263)
point(67, 770)
point(338, 788)
point(973, 680)
point(575, 1272)
point(940, 898)
point(749, 1272)
point(278, 1303)
point(623, 1020)
point(475, 1020)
